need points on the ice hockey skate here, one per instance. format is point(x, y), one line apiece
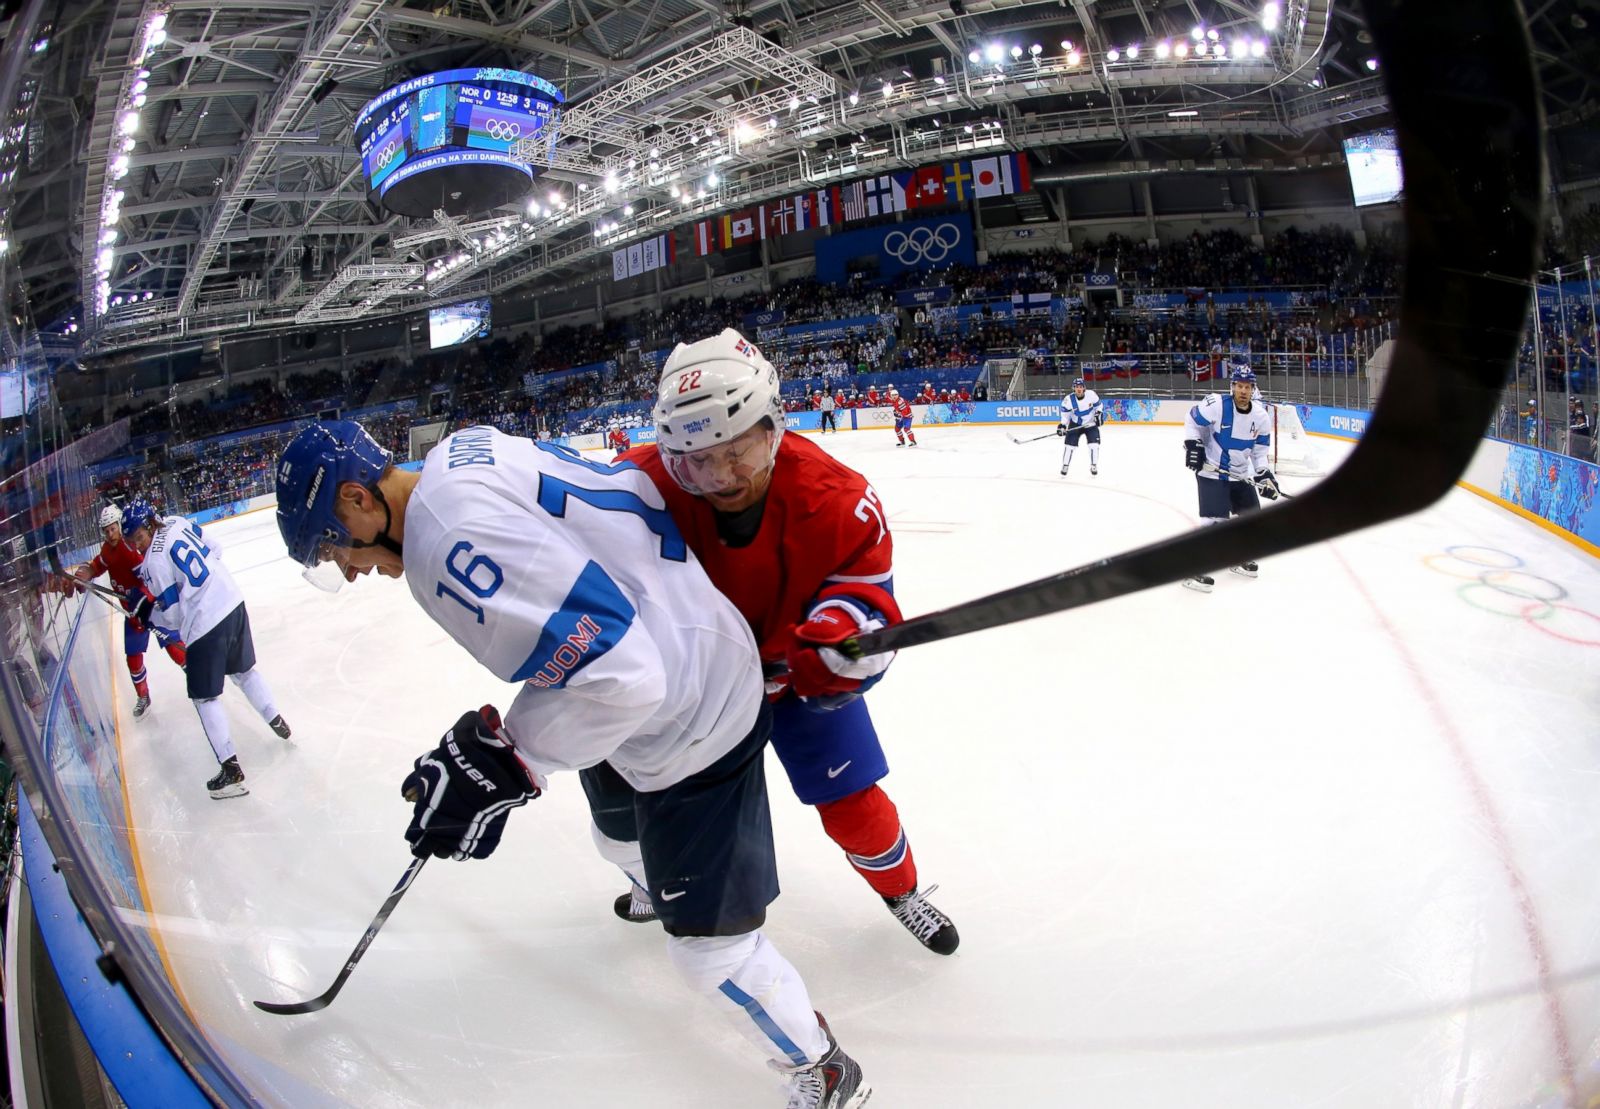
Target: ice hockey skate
point(1063, 471)
point(1093, 469)
point(1247, 569)
point(832, 1082)
point(229, 781)
point(140, 707)
point(933, 929)
point(1199, 583)
point(279, 725)
point(635, 907)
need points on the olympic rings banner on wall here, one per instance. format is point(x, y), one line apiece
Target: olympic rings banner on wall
point(913, 245)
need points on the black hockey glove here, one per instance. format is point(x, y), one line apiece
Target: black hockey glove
point(1194, 455)
point(139, 605)
point(1267, 485)
point(463, 790)
point(1061, 430)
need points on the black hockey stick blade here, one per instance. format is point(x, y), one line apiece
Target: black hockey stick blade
point(1467, 112)
point(324, 999)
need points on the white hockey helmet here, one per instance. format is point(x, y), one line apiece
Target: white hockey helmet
point(109, 515)
point(712, 392)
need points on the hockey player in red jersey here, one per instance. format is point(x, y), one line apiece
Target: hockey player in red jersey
point(927, 395)
point(617, 439)
point(873, 399)
point(118, 559)
point(800, 543)
point(902, 418)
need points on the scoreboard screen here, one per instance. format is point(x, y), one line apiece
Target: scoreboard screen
point(429, 124)
point(1373, 160)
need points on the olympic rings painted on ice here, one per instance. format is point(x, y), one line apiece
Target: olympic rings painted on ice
point(1558, 591)
point(1544, 627)
point(1432, 563)
point(1511, 605)
point(1455, 553)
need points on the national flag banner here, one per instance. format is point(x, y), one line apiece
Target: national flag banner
point(805, 211)
point(957, 182)
point(651, 250)
point(902, 189)
point(926, 188)
point(635, 260)
point(669, 249)
point(706, 239)
point(1000, 175)
point(828, 207)
point(619, 264)
point(778, 218)
point(739, 228)
point(852, 200)
point(880, 196)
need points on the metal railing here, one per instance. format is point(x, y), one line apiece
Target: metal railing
point(1557, 375)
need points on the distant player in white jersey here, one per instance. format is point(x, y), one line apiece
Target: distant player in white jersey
point(1225, 442)
point(570, 579)
point(1081, 415)
point(183, 577)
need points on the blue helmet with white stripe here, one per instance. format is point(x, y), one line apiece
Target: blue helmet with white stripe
point(310, 470)
point(1241, 371)
point(138, 514)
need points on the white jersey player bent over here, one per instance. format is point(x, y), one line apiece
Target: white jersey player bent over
point(1081, 415)
point(1226, 441)
point(184, 578)
point(569, 578)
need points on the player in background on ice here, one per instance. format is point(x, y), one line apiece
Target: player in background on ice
point(617, 439)
point(183, 577)
point(902, 418)
point(801, 544)
point(1081, 415)
point(830, 417)
point(1226, 440)
point(568, 578)
point(121, 562)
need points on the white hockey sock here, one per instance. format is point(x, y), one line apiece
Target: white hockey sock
point(623, 855)
point(256, 692)
point(214, 719)
point(756, 989)
point(1066, 456)
point(1094, 454)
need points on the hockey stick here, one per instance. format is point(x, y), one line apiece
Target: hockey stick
point(1471, 145)
point(1035, 439)
point(324, 999)
point(1256, 482)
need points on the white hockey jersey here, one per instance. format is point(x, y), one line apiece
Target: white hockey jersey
point(1079, 411)
point(1236, 442)
point(184, 572)
point(569, 577)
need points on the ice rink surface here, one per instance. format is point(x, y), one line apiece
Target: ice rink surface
point(1324, 838)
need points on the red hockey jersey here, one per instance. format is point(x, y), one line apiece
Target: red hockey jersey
point(902, 407)
point(823, 524)
point(618, 439)
point(120, 561)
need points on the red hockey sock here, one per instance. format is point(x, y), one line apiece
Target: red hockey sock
point(867, 826)
point(136, 672)
point(178, 653)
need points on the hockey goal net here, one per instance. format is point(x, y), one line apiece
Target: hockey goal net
point(1292, 450)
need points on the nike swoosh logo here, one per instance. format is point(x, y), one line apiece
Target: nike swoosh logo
point(671, 896)
point(835, 771)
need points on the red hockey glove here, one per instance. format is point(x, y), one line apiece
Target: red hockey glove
point(816, 667)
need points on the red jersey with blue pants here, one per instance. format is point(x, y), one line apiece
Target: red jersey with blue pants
point(822, 527)
point(902, 419)
point(121, 562)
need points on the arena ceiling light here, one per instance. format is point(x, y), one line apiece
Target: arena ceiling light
point(1073, 57)
point(995, 52)
point(1270, 14)
point(1163, 49)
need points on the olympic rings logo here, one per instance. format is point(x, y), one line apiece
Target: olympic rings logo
point(1495, 581)
point(503, 130)
point(922, 244)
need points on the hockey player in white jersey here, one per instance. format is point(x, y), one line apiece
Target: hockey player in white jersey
point(184, 578)
point(1225, 442)
point(1081, 415)
point(569, 578)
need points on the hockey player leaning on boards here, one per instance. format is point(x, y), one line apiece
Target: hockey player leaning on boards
point(569, 578)
point(121, 562)
point(1226, 438)
point(182, 577)
point(801, 544)
point(1080, 415)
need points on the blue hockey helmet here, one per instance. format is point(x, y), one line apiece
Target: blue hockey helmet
point(1241, 371)
point(1077, 381)
point(310, 470)
point(138, 514)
